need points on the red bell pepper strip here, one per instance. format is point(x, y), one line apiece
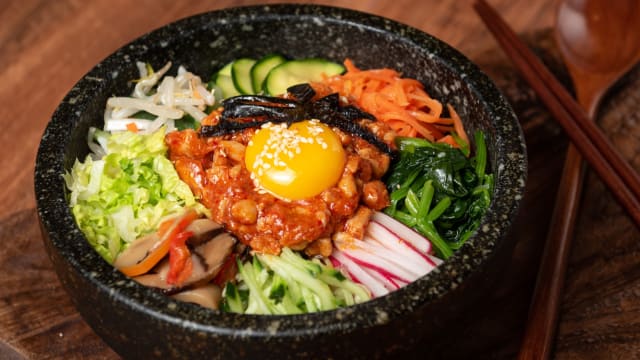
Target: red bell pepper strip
point(180, 264)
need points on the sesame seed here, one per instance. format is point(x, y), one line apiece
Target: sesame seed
point(282, 144)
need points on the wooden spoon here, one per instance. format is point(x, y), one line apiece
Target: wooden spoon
point(599, 44)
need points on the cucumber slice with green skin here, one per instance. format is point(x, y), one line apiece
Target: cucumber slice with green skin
point(224, 82)
point(226, 70)
point(261, 69)
point(297, 72)
point(241, 75)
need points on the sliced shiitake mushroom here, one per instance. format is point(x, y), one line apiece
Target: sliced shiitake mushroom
point(207, 259)
point(203, 230)
point(208, 295)
point(154, 280)
point(137, 251)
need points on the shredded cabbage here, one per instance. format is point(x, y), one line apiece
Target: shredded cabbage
point(127, 192)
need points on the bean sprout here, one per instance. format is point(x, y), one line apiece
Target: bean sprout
point(164, 98)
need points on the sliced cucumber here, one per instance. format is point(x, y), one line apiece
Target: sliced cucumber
point(297, 72)
point(224, 82)
point(261, 69)
point(241, 75)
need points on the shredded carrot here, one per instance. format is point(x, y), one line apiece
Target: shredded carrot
point(448, 139)
point(132, 127)
point(457, 124)
point(351, 68)
point(402, 103)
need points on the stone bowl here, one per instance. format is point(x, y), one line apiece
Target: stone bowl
point(139, 323)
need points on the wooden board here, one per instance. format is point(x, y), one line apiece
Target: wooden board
point(600, 313)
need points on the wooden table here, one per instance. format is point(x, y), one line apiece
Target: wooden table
point(46, 46)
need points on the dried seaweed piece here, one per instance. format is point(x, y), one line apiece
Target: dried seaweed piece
point(248, 111)
point(255, 106)
point(302, 92)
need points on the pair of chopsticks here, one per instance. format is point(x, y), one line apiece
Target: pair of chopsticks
point(594, 146)
point(614, 171)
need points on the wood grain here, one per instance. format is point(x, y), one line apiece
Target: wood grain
point(601, 307)
point(48, 45)
point(37, 317)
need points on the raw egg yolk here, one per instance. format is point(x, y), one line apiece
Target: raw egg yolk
point(295, 162)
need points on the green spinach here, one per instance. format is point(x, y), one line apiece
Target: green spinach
point(440, 191)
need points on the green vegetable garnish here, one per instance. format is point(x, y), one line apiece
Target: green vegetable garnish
point(439, 191)
point(289, 284)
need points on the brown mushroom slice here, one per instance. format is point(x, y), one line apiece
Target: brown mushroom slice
point(203, 230)
point(207, 259)
point(137, 251)
point(210, 256)
point(208, 296)
point(154, 280)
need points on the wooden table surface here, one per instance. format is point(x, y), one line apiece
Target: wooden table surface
point(46, 46)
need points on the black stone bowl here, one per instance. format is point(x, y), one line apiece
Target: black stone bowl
point(140, 323)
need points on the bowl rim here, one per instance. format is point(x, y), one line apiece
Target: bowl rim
point(60, 227)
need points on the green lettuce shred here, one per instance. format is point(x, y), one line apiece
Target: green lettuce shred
point(126, 193)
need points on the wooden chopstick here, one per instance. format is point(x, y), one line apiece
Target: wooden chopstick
point(544, 309)
point(629, 176)
point(613, 170)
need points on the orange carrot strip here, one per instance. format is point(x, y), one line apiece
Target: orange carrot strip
point(457, 124)
point(402, 128)
point(358, 88)
point(402, 103)
point(448, 139)
point(434, 106)
point(444, 128)
point(428, 118)
point(351, 68)
point(385, 105)
point(380, 76)
point(421, 129)
point(163, 246)
point(400, 95)
point(347, 87)
point(410, 84)
point(368, 103)
point(132, 127)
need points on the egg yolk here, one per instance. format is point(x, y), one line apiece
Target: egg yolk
point(295, 162)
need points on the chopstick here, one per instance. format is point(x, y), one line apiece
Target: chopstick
point(544, 309)
point(545, 304)
point(613, 170)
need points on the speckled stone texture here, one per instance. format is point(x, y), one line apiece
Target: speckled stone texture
point(139, 323)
